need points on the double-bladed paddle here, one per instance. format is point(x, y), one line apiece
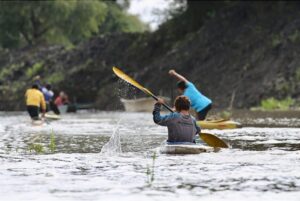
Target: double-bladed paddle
point(209, 139)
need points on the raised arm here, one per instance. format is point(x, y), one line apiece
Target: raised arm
point(158, 118)
point(178, 76)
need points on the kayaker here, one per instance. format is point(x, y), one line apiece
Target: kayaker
point(200, 103)
point(37, 81)
point(35, 100)
point(48, 95)
point(182, 127)
point(62, 99)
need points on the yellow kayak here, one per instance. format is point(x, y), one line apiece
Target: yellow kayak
point(219, 124)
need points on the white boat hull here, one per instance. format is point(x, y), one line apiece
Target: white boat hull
point(185, 149)
point(140, 104)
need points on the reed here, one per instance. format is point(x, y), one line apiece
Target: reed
point(150, 172)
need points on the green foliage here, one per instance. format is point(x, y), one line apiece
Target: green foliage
point(60, 21)
point(55, 78)
point(298, 74)
point(211, 13)
point(119, 21)
point(276, 40)
point(226, 114)
point(37, 148)
point(84, 20)
point(8, 71)
point(5, 73)
point(272, 103)
point(34, 70)
point(52, 144)
point(150, 172)
point(283, 87)
point(295, 37)
point(31, 22)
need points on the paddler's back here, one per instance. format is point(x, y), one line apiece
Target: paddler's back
point(181, 128)
point(34, 97)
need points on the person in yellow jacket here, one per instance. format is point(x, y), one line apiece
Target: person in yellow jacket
point(34, 100)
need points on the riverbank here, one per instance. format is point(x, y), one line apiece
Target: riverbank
point(244, 53)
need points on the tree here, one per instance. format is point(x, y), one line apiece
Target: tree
point(64, 22)
point(30, 22)
point(117, 20)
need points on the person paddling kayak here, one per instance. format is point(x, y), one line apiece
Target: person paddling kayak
point(35, 100)
point(182, 127)
point(48, 95)
point(199, 102)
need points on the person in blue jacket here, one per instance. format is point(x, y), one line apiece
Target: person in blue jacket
point(182, 127)
point(200, 103)
point(49, 95)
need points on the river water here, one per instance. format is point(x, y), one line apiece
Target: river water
point(263, 163)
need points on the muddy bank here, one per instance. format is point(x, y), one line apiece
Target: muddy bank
point(273, 119)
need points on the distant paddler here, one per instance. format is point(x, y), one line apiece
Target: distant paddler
point(35, 102)
point(49, 95)
point(182, 127)
point(200, 103)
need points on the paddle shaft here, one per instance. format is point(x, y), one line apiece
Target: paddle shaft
point(165, 105)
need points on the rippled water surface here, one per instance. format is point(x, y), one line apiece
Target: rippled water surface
point(263, 163)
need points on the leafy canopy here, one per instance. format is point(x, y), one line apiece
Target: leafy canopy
point(60, 21)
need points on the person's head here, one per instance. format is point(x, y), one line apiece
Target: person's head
point(62, 94)
point(48, 86)
point(181, 86)
point(35, 86)
point(182, 103)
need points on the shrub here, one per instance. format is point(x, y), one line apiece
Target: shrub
point(272, 103)
point(34, 70)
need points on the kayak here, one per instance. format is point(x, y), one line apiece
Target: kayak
point(63, 109)
point(185, 149)
point(52, 116)
point(37, 122)
point(219, 124)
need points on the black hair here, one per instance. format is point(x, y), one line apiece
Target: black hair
point(181, 85)
point(48, 86)
point(35, 86)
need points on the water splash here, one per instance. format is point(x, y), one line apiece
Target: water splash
point(113, 146)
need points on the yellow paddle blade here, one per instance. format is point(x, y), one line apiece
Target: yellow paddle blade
point(130, 80)
point(212, 140)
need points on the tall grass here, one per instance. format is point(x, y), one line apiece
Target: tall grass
point(39, 148)
point(273, 104)
point(150, 172)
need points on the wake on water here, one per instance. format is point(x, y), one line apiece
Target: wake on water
point(113, 146)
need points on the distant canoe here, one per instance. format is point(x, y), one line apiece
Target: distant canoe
point(140, 104)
